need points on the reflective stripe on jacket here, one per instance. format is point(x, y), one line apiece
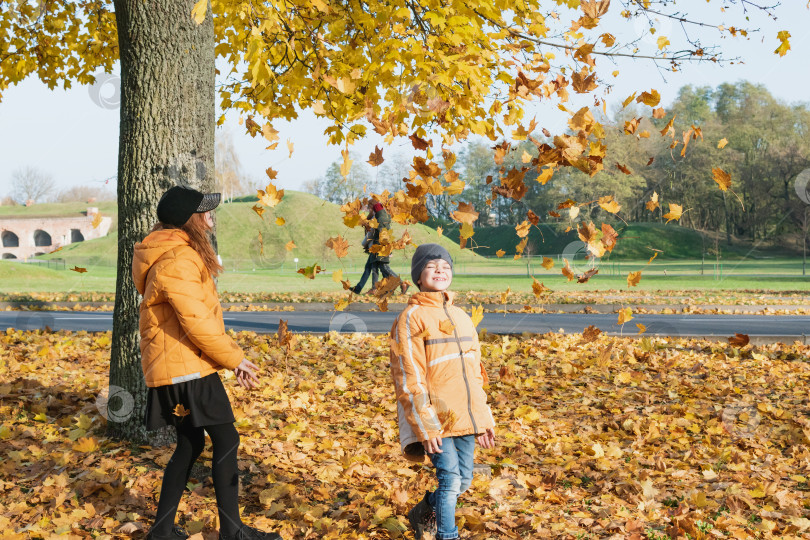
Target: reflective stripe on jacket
point(437, 371)
point(182, 332)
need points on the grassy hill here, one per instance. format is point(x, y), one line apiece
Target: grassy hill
point(247, 241)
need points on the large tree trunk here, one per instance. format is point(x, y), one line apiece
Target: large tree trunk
point(166, 138)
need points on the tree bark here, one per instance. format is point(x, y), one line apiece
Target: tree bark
point(166, 138)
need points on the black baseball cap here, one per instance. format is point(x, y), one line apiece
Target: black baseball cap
point(177, 205)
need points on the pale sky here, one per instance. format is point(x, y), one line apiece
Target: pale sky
point(74, 137)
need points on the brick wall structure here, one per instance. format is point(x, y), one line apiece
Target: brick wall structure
point(24, 237)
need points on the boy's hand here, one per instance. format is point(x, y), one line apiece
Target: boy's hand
point(245, 374)
point(486, 439)
point(433, 446)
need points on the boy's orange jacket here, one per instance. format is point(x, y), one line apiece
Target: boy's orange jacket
point(182, 332)
point(437, 371)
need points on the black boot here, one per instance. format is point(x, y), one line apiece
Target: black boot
point(176, 534)
point(422, 518)
point(249, 533)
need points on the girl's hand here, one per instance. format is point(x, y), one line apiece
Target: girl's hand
point(246, 374)
point(433, 446)
point(486, 439)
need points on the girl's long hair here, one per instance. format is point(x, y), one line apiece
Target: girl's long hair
point(197, 232)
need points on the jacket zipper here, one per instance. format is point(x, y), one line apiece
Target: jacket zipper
point(463, 366)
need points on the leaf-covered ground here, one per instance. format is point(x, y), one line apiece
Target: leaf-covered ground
point(641, 439)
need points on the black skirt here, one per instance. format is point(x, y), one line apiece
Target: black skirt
point(205, 400)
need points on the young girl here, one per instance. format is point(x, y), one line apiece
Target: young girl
point(183, 345)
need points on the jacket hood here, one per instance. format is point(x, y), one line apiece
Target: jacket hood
point(432, 299)
point(152, 248)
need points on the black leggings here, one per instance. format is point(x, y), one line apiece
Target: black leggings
point(224, 471)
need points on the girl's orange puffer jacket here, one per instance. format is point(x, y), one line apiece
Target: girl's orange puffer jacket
point(182, 332)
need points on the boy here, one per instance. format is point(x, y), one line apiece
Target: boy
point(441, 404)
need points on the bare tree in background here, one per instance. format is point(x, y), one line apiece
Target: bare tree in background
point(228, 174)
point(85, 194)
point(31, 184)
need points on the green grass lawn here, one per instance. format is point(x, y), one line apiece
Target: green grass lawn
point(16, 277)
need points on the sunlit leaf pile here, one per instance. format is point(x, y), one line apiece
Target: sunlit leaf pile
point(598, 437)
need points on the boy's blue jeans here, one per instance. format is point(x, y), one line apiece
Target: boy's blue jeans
point(454, 471)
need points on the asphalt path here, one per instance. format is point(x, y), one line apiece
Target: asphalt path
point(781, 326)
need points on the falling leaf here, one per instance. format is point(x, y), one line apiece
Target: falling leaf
point(633, 278)
point(289, 246)
point(500, 253)
point(623, 168)
point(739, 340)
point(337, 276)
point(567, 272)
point(346, 165)
point(310, 271)
point(590, 334)
point(722, 143)
point(609, 204)
point(280, 221)
point(439, 230)
point(784, 46)
point(722, 178)
point(651, 98)
point(340, 246)
point(584, 277)
point(258, 209)
point(548, 263)
point(96, 220)
point(641, 328)
point(270, 196)
point(652, 258)
point(477, 315)
point(675, 211)
point(652, 204)
point(539, 289)
point(625, 315)
point(290, 147)
point(662, 42)
point(376, 158)
point(465, 213)
point(419, 143)
point(522, 228)
point(79, 269)
point(545, 175)
point(271, 173)
point(181, 411)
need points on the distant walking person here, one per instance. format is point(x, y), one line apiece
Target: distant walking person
point(376, 262)
point(183, 346)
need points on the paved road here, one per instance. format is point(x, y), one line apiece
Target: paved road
point(782, 326)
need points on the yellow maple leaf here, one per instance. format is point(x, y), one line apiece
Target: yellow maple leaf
point(280, 221)
point(340, 246)
point(522, 228)
point(258, 209)
point(270, 196)
point(641, 328)
point(465, 214)
point(337, 276)
point(675, 211)
point(784, 46)
point(290, 245)
point(662, 42)
point(609, 204)
point(477, 315)
point(567, 272)
point(548, 263)
point(500, 253)
point(96, 220)
point(346, 166)
point(539, 289)
point(625, 315)
point(86, 445)
point(652, 204)
point(633, 278)
point(545, 175)
point(722, 143)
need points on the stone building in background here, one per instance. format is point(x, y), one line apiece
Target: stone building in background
point(24, 237)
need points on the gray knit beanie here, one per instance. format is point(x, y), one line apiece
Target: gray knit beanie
point(424, 254)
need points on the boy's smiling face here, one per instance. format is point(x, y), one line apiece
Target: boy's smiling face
point(436, 276)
